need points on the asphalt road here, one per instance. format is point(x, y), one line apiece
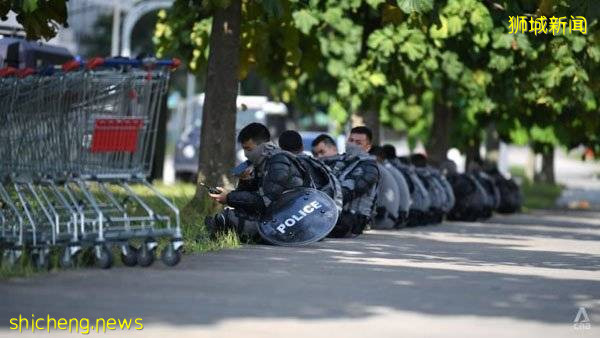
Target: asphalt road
point(514, 276)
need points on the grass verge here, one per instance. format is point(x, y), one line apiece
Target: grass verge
point(536, 195)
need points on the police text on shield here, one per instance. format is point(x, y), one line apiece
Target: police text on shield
point(305, 211)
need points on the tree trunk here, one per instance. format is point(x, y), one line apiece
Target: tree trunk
point(439, 138)
point(546, 175)
point(492, 144)
point(530, 170)
point(160, 146)
point(217, 140)
point(473, 154)
point(371, 119)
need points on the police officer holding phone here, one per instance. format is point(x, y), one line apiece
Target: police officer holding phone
point(269, 173)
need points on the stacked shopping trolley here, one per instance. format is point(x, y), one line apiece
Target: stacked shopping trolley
point(76, 144)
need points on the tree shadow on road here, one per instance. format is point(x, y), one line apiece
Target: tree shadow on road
point(335, 279)
point(566, 219)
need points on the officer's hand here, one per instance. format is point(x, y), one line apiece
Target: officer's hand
point(247, 174)
point(222, 197)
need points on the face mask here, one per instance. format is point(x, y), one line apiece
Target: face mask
point(353, 149)
point(254, 155)
point(257, 155)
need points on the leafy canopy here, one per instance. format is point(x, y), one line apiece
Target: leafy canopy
point(40, 18)
point(404, 59)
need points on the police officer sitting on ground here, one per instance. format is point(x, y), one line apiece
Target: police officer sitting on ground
point(321, 174)
point(273, 172)
point(439, 199)
point(358, 174)
point(390, 196)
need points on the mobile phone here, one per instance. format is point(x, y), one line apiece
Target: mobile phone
point(210, 189)
point(239, 169)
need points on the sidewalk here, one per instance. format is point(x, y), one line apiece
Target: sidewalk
point(515, 276)
point(582, 182)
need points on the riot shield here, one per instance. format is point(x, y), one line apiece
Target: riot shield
point(405, 200)
point(388, 200)
point(299, 217)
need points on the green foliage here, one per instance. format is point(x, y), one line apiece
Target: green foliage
point(276, 40)
point(40, 18)
point(304, 20)
point(404, 58)
point(409, 6)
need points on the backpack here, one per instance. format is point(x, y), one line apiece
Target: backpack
point(449, 194)
point(420, 199)
point(490, 187)
point(511, 198)
point(434, 188)
point(323, 178)
point(471, 200)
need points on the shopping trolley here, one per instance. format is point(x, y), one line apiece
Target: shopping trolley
point(73, 144)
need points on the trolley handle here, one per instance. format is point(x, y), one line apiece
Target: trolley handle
point(135, 63)
point(25, 72)
point(116, 62)
point(8, 72)
point(17, 72)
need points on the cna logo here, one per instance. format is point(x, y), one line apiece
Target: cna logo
point(582, 320)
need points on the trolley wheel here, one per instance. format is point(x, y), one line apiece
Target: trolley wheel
point(170, 256)
point(129, 255)
point(104, 257)
point(10, 258)
point(3, 258)
point(41, 259)
point(145, 256)
point(67, 261)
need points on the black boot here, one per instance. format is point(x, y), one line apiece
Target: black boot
point(214, 225)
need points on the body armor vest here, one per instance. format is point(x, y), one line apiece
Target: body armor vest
point(342, 166)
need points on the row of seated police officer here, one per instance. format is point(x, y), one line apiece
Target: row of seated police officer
point(274, 171)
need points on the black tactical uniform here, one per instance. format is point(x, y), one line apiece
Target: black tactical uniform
point(472, 201)
point(278, 172)
point(510, 193)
